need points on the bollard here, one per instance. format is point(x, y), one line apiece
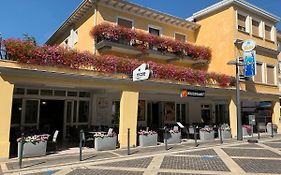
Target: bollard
point(195, 136)
point(21, 150)
point(258, 128)
point(272, 129)
point(82, 139)
point(166, 138)
point(220, 133)
point(128, 151)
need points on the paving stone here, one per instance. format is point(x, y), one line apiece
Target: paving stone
point(166, 173)
point(134, 163)
point(156, 149)
point(103, 172)
point(194, 163)
point(49, 161)
point(200, 152)
point(44, 173)
point(259, 166)
point(249, 145)
point(273, 145)
point(250, 152)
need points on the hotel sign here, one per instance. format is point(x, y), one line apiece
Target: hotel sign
point(141, 73)
point(248, 47)
point(192, 93)
point(250, 68)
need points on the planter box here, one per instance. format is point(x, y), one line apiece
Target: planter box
point(268, 129)
point(174, 138)
point(148, 140)
point(205, 136)
point(105, 143)
point(225, 134)
point(31, 150)
point(245, 132)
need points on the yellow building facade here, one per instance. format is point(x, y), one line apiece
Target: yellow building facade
point(88, 98)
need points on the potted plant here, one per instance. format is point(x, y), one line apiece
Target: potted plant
point(105, 142)
point(174, 136)
point(147, 138)
point(207, 133)
point(246, 130)
point(35, 145)
point(225, 131)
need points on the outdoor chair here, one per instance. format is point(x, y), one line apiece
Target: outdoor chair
point(52, 145)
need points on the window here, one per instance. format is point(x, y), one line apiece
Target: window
point(84, 109)
point(268, 32)
point(65, 43)
point(16, 111)
point(242, 23)
point(206, 114)
point(154, 31)
point(256, 28)
point(258, 76)
point(180, 37)
point(46, 92)
point(125, 22)
point(31, 111)
point(270, 74)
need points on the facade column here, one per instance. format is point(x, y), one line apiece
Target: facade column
point(6, 100)
point(276, 114)
point(233, 116)
point(128, 118)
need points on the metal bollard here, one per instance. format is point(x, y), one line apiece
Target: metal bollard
point(21, 150)
point(220, 134)
point(272, 129)
point(258, 128)
point(195, 137)
point(166, 138)
point(128, 151)
point(82, 139)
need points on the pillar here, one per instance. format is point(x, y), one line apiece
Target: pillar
point(276, 114)
point(128, 118)
point(233, 116)
point(6, 98)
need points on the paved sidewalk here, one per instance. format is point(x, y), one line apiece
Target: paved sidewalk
point(232, 157)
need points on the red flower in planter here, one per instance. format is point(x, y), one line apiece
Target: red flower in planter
point(25, 52)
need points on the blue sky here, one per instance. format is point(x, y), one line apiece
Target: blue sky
point(40, 18)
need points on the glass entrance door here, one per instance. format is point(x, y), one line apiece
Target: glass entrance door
point(221, 111)
point(70, 116)
point(31, 114)
point(182, 111)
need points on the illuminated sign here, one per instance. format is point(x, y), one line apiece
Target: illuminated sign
point(250, 68)
point(192, 93)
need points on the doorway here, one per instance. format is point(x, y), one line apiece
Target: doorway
point(51, 117)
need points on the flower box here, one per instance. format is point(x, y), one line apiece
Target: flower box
point(148, 140)
point(225, 131)
point(226, 134)
point(174, 137)
point(33, 149)
point(269, 128)
point(105, 143)
point(205, 136)
point(246, 130)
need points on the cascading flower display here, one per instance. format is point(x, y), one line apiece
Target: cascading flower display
point(144, 41)
point(27, 53)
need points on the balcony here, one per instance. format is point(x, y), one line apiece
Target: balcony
point(113, 38)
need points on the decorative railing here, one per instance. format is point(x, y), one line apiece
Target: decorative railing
point(145, 41)
point(27, 52)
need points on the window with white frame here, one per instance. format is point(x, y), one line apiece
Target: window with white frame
point(268, 32)
point(125, 22)
point(65, 43)
point(242, 22)
point(270, 74)
point(180, 37)
point(154, 30)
